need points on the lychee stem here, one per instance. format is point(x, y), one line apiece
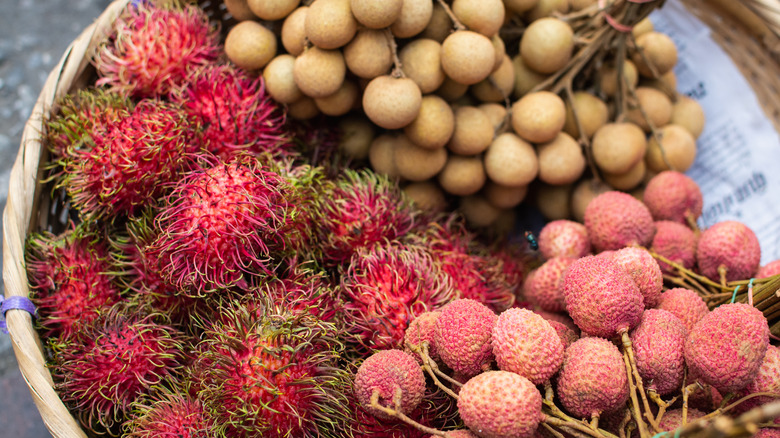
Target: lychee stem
point(400, 415)
point(628, 351)
point(686, 392)
point(432, 369)
point(722, 271)
point(560, 419)
point(550, 429)
point(682, 269)
point(623, 423)
point(662, 405)
point(456, 24)
point(690, 219)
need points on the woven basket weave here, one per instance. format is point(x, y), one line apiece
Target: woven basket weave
point(747, 30)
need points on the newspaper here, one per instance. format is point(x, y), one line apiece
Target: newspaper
point(738, 160)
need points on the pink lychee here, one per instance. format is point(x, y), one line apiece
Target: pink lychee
point(616, 219)
point(769, 270)
point(658, 343)
point(526, 344)
point(422, 329)
point(463, 336)
point(544, 289)
point(728, 245)
point(566, 333)
point(564, 238)
point(676, 242)
point(672, 418)
point(673, 196)
point(397, 379)
point(644, 270)
point(685, 304)
point(767, 380)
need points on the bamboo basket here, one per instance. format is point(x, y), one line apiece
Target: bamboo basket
point(748, 30)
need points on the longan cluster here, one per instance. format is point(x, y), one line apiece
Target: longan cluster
point(427, 92)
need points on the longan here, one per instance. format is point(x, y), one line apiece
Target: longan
point(426, 195)
point(483, 16)
point(462, 176)
point(414, 17)
point(520, 6)
point(451, 90)
point(679, 148)
point(319, 72)
point(376, 14)
point(272, 10)
point(473, 131)
point(561, 160)
point(421, 61)
point(368, 55)
point(279, 82)
point(434, 124)
point(303, 109)
point(629, 180)
point(545, 8)
point(250, 45)
point(340, 102)
point(357, 133)
point(617, 147)
point(498, 85)
point(380, 155)
point(609, 74)
point(439, 26)
point(239, 9)
point(467, 57)
point(583, 193)
point(689, 114)
point(525, 78)
point(578, 5)
point(553, 201)
point(657, 50)
point(538, 117)
point(547, 45)
point(497, 115)
point(391, 103)
point(330, 23)
point(478, 211)
point(644, 26)
point(415, 163)
point(294, 31)
point(592, 114)
point(656, 106)
point(504, 197)
point(511, 161)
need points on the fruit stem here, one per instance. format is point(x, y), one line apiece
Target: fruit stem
point(456, 24)
point(686, 392)
point(583, 139)
point(653, 130)
point(683, 270)
point(560, 419)
point(432, 369)
point(662, 405)
point(400, 415)
point(398, 71)
point(722, 271)
point(635, 385)
point(623, 423)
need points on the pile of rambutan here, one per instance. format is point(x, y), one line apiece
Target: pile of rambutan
point(222, 272)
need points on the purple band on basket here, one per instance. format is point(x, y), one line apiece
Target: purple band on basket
point(14, 302)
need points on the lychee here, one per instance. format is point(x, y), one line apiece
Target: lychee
point(593, 378)
point(658, 343)
point(676, 242)
point(601, 297)
point(673, 196)
point(726, 347)
point(463, 336)
point(566, 333)
point(564, 238)
point(394, 378)
point(685, 304)
point(767, 380)
point(728, 246)
point(672, 418)
point(544, 289)
point(500, 404)
point(526, 344)
point(420, 330)
point(616, 219)
point(769, 270)
point(644, 270)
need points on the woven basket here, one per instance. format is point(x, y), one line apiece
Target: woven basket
point(748, 31)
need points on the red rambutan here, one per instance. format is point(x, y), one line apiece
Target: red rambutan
point(70, 278)
point(235, 113)
point(168, 414)
point(152, 49)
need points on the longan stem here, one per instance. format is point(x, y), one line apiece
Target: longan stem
point(584, 141)
point(455, 22)
point(398, 71)
point(635, 382)
point(401, 416)
point(653, 130)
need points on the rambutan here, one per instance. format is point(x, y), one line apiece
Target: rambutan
point(272, 373)
point(235, 113)
point(223, 223)
point(385, 288)
point(359, 210)
point(108, 363)
point(127, 159)
point(70, 277)
point(168, 413)
point(153, 48)
point(303, 288)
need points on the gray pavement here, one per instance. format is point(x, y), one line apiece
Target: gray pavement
point(33, 36)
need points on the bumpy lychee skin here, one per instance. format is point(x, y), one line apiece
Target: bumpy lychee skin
point(685, 304)
point(728, 245)
point(70, 278)
point(395, 376)
point(108, 363)
point(658, 343)
point(567, 335)
point(562, 318)
point(422, 329)
point(673, 196)
point(500, 404)
point(769, 270)
point(601, 297)
point(463, 336)
point(643, 268)
point(544, 289)
point(152, 49)
point(564, 238)
point(235, 113)
point(767, 380)
point(386, 287)
point(169, 414)
point(767, 432)
point(526, 344)
point(676, 242)
point(672, 418)
point(224, 223)
point(615, 220)
point(593, 378)
point(726, 348)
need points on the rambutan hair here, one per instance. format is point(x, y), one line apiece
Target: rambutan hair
point(154, 46)
point(167, 413)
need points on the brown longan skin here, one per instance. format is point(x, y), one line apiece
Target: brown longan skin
point(376, 14)
point(330, 23)
point(629, 180)
point(250, 45)
point(547, 45)
point(592, 114)
point(462, 176)
point(421, 61)
point(520, 6)
point(357, 133)
point(303, 109)
point(368, 55)
point(617, 147)
point(427, 196)
point(294, 31)
point(392, 103)
point(318, 72)
point(451, 90)
point(679, 147)
point(478, 211)
point(553, 201)
point(578, 5)
point(656, 105)
point(279, 82)
point(272, 10)
point(239, 9)
point(504, 197)
point(467, 57)
point(483, 16)
point(380, 155)
point(414, 17)
point(473, 131)
point(689, 114)
point(340, 102)
point(659, 51)
point(415, 163)
point(643, 27)
point(538, 117)
point(525, 78)
point(561, 160)
point(583, 193)
point(545, 8)
point(497, 115)
point(511, 161)
point(439, 26)
point(498, 85)
point(608, 78)
point(434, 124)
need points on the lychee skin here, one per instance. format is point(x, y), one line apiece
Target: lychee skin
point(730, 244)
point(643, 268)
point(726, 348)
point(422, 329)
point(676, 242)
point(769, 270)
point(396, 376)
point(601, 297)
point(593, 378)
point(544, 288)
point(526, 344)
point(672, 418)
point(685, 304)
point(673, 196)
point(615, 220)
point(500, 404)
point(658, 343)
point(564, 238)
point(567, 334)
point(767, 380)
point(463, 336)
